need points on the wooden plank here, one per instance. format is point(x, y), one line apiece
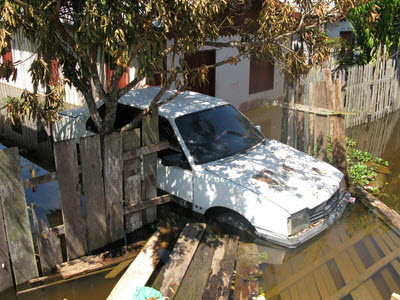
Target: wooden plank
point(220, 276)
point(150, 135)
point(394, 285)
point(294, 292)
point(113, 186)
point(17, 227)
point(386, 214)
point(50, 246)
point(5, 267)
point(145, 150)
point(132, 179)
point(373, 290)
point(149, 203)
point(285, 295)
point(139, 272)
point(43, 179)
point(195, 280)
point(66, 160)
point(329, 282)
point(100, 261)
point(246, 267)
point(118, 269)
point(180, 258)
point(338, 130)
point(319, 281)
point(306, 108)
point(93, 190)
point(366, 275)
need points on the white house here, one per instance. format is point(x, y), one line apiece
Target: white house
point(242, 84)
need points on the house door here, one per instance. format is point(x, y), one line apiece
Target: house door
point(196, 60)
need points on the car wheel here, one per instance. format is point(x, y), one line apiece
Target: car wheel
point(234, 223)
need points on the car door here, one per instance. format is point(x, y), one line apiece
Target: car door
point(177, 180)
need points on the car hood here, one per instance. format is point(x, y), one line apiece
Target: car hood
point(289, 178)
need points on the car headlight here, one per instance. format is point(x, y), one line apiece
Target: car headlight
point(298, 222)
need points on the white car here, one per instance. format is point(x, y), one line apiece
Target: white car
point(219, 162)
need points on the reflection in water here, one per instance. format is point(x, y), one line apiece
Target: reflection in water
point(382, 139)
point(46, 196)
point(325, 266)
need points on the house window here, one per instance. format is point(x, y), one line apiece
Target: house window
point(261, 75)
point(207, 58)
point(347, 49)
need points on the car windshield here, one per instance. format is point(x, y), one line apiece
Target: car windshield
point(217, 133)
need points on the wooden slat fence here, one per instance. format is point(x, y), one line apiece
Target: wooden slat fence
point(371, 91)
point(102, 198)
point(314, 113)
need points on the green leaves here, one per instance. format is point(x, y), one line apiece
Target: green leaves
point(375, 23)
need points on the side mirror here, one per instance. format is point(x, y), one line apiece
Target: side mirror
point(175, 160)
point(258, 127)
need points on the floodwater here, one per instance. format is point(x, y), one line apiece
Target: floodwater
point(356, 258)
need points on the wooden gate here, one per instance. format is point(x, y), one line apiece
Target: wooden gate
point(103, 196)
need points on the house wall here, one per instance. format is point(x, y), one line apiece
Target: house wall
point(22, 55)
point(333, 29)
point(232, 81)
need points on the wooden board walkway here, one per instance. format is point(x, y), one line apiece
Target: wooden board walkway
point(364, 266)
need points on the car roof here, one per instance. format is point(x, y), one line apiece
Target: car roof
point(185, 103)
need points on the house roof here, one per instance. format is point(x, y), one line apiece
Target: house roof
point(185, 103)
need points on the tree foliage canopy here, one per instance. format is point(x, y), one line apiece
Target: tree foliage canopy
point(82, 33)
point(375, 23)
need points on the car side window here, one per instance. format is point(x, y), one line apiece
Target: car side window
point(125, 115)
point(167, 134)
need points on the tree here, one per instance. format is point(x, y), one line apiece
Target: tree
point(375, 23)
point(80, 33)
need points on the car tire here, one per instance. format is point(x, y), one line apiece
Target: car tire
point(234, 223)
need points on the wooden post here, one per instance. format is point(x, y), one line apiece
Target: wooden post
point(322, 126)
point(338, 133)
point(150, 136)
point(48, 244)
point(92, 182)
point(285, 116)
point(113, 186)
point(17, 227)
point(300, 120)
point(5, 267)
point(66, 160)
point(132, 180)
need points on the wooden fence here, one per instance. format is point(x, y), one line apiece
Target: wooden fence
point(371, 91)
point(27, 134)
point(313, 112)
point(102, 197)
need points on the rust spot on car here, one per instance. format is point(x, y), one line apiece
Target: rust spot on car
point(286, 168)
point(318, 171)
point(265, 178)
point(266, 171)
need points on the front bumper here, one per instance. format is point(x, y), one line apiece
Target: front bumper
point(294, 241)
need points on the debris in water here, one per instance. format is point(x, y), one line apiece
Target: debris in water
point(352, 199)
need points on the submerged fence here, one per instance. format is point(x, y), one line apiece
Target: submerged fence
point(371, 91)
point(103, 195)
